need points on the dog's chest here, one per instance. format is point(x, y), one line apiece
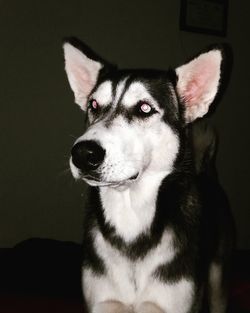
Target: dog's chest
point(131, 211)
point(132, 278)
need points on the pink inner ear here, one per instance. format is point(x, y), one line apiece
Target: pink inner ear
point(82, 79)
point(198, 85)
point(192, 92)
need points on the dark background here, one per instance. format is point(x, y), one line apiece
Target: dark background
point(38, 119)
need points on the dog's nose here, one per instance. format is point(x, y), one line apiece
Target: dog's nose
point(87, 155)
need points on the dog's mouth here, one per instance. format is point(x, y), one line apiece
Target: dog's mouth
point(96, 181)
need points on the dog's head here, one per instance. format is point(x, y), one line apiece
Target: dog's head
point(134, 117)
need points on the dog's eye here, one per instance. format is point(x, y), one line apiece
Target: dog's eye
point(145, 107)
point(93, 105)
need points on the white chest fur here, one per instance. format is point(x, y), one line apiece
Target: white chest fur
point(137, 273)
point(133, 282)
point(132, 210)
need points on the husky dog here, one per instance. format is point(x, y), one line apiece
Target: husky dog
point(157, 226)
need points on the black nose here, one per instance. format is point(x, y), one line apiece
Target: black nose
point(87, 155)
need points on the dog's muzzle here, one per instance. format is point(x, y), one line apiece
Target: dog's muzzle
point(87, 155)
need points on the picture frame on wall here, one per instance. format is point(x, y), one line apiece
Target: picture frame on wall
point(204, 16)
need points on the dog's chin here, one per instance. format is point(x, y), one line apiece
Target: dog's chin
point(95, 182)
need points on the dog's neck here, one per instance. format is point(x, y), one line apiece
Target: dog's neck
point(131, 210)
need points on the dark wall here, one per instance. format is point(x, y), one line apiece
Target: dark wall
point(39, 120)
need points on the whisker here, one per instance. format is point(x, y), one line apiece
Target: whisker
point(66, 157)
point(65, 172)
point(73, 136)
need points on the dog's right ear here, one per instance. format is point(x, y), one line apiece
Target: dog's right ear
point(199, 80)
point(83, 67)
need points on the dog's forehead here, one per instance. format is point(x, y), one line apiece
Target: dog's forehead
point(137, 91)
point(124, 91)
point(103, 93)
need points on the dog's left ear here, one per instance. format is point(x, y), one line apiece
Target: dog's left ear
point(198, 83)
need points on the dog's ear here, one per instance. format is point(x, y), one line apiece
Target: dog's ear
point(83, 68)
point(198, 82)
